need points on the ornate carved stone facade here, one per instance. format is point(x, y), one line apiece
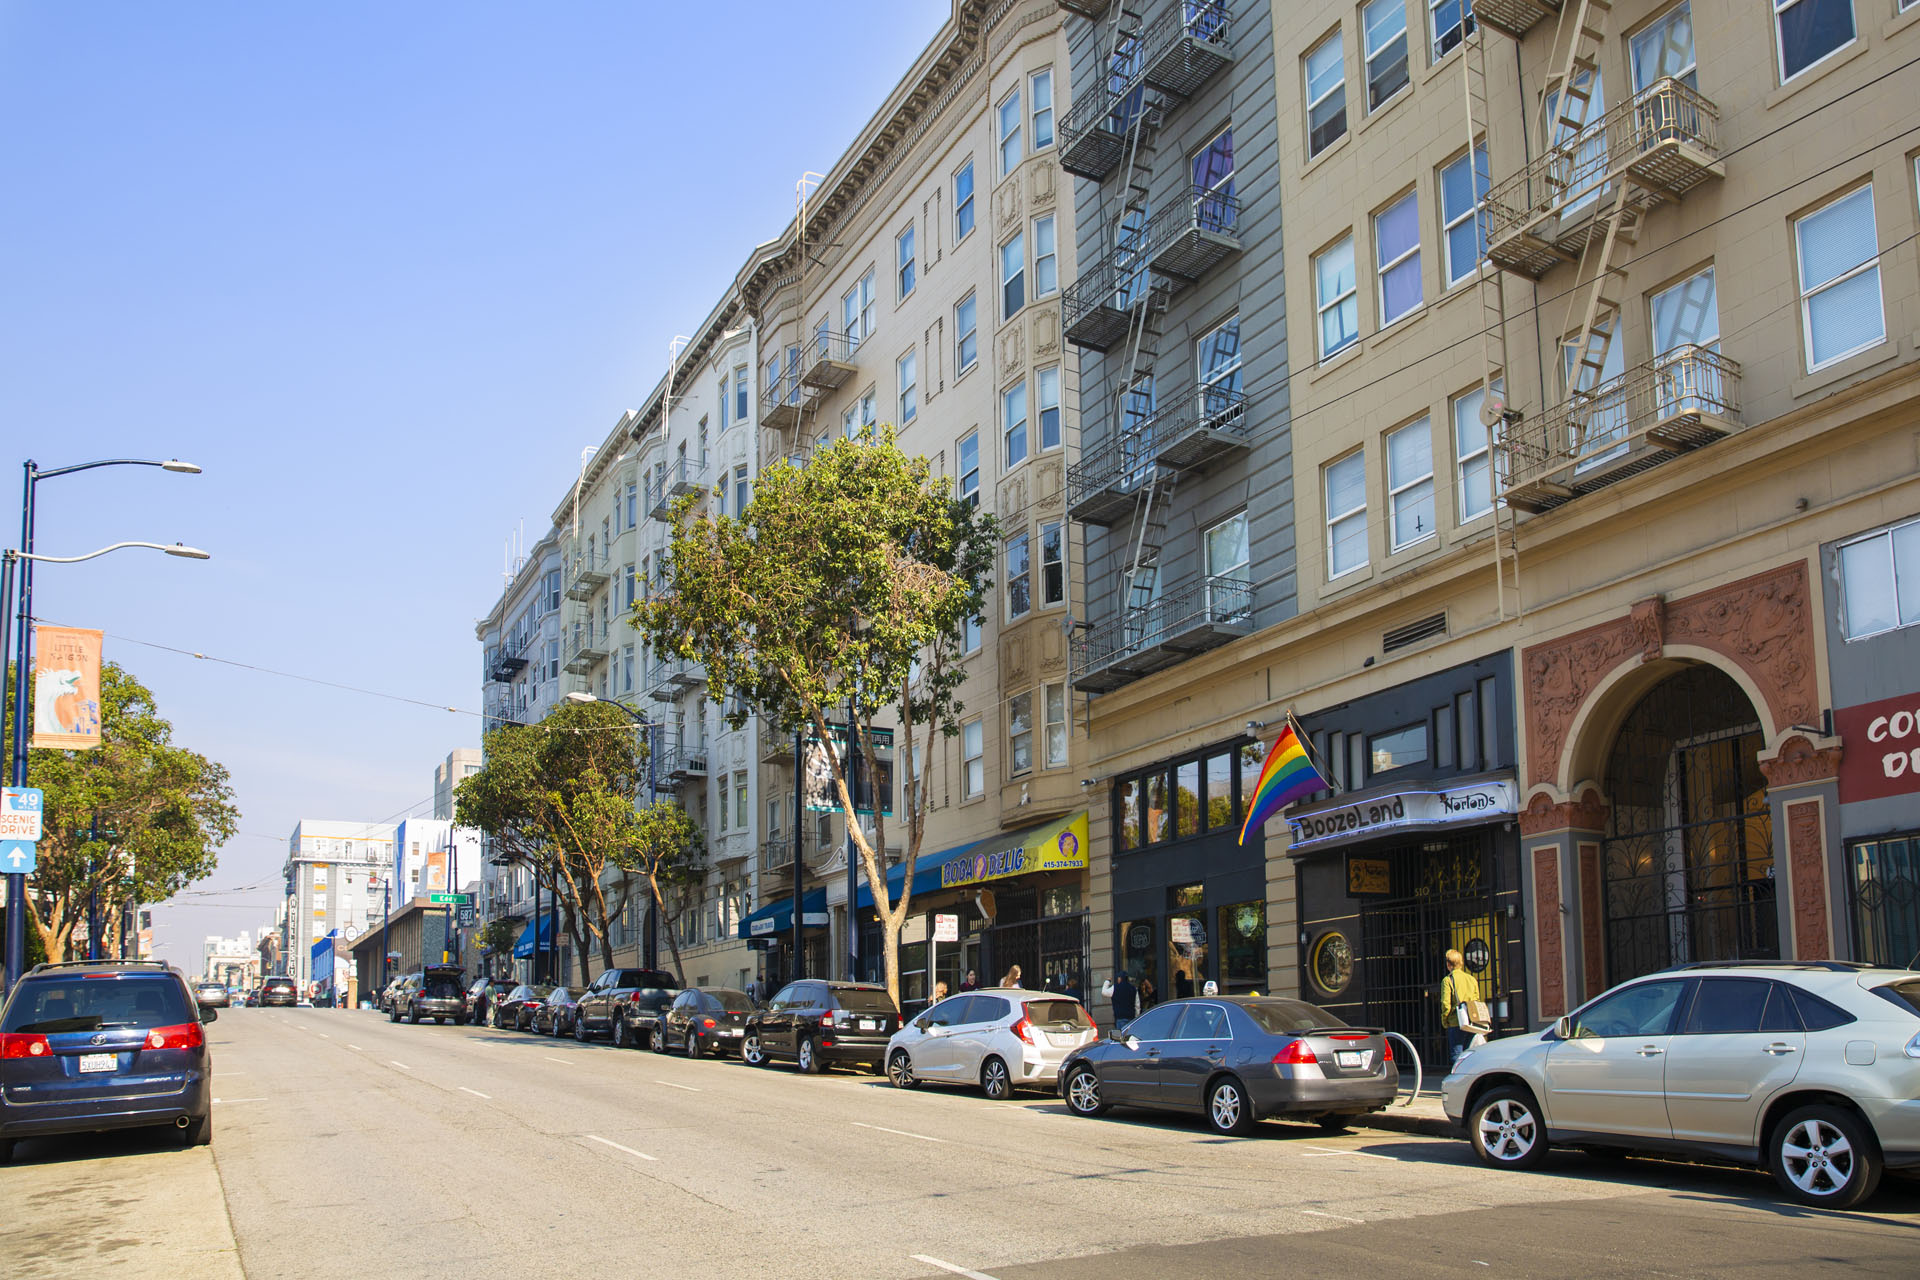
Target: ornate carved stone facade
point(1592, 949)
point(1807, 860)
point(1548, 942)
point(1588, 813)
point(1799, 762)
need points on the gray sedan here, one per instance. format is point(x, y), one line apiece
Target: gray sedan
point(1236, 1060)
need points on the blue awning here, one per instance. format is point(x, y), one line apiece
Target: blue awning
point(926, 875)
point(523, 946)
point(1058, 845)
point(776, 918)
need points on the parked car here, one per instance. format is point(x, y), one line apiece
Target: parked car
point(279, 992)
point(483, 995)
point(385, 1000)
point(1809, 1070)
point(1235, 1060)
point(514, 1010)
point(704, 1020)
point(637, 1023)
point(437, 991)
point(819, 1024)
point(997, 1039)
point(212, 995)
point(554, 1015)
point(601, 1003)
point(108, 1044)
point(253, 998)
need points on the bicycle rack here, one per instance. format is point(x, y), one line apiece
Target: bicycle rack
point(1418, 1077)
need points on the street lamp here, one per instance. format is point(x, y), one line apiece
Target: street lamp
point(16, 942)
point(653, 796)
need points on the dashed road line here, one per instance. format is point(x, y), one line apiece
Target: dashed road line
point(1316, 1213)
point(224, 1101)
point(1341, 1151)
point(671, 1085)
point(969, 1273)
point(606, 1142)
point(880, 1128)
point(403, 1066)
point(475, 1092)
point(562, 1061)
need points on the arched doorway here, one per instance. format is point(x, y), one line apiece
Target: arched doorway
point(1688, 856)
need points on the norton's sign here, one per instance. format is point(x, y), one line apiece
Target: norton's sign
point(1337, 822)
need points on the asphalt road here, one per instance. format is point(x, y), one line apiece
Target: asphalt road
point(346, 1145)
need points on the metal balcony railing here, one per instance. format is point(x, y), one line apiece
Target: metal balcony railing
point(1514, 17)
point(829, 360)
point(1189, 435)
point(1680, 401)
point(682, 476)
point(585, 647)
point(668, 679)
point(586, 573)
point(1186, 46)
point(1665, 141)
point(1097, 308)
point(679, 763)
point(1095, 131)
point(1188, 239)
point(784, 399)
point(1199, 614)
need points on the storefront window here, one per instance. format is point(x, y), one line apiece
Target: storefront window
point(1252, 756)
point(1136, 948)
point(1243, 948)
point(1127, 802)
point(1186, 940)
point(1187, 799)
point(1061, 900)
point(1219, 791)
point(1156, 817)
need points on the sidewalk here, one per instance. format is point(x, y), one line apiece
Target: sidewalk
point(1423, 1115)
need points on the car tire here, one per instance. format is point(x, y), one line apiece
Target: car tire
point(900, 1070)
point(807, 1057)
point(393, 1013)
point(440, 1022)
point(1229, 1109)
point(657, 1041)
point(693, 1046)
point(199, 1132)
point(413, 1015)
point(1824, 1156)
point(750, 1051)
point(580, 1031)
point(619, 1036)
point(1506, 1130)
point(995, 1080)
point(1083, 1093)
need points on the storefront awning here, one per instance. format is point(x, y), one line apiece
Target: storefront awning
point(523, 946)
point(776, 918)
point(1051, 846)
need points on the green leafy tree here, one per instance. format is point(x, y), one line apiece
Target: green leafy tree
point(136, 818)
point(842, 588)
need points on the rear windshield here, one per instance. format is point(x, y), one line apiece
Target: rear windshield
point(529, 993)
point(440, 987)
point(88, 1004)
point(278, 984)
point(643, 978)
point(652, 998)
point(1289, 1017)
point(1058, 1014)
point(730, 999)
point(862, 1000)
point(1904, 993)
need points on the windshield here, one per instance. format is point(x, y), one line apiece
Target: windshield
point(1058, 1015)
point(1290, 1017)
point(90, 1004)
point(863, 1000)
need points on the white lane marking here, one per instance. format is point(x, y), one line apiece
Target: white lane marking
point(590, 1137)
point(880, 1128)
point(948, 1266)
point(562, 1061)
point(671, 1085)
point(1342, 1217)
point(325, 1036)
point(226, 1100)
point(1337, 1151)
point(355, 1046)
point(475, 1092)
point(403, 1066)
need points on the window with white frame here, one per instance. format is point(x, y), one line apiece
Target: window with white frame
point(966, 333)
point(1326, 72)
point(1212, 173)
point(1046, 263)
point(909, 373)
point(723, 405)
point(972, 633)
point(973, 766)
point(1463, 217)
point(968, 453)
point(1410, 483)
point(1810, 31)
point(856, 311)
point(1013, 276)
point(1019, 734)
point(1040, 98)
point(1450, 21)
point(633, 503)
point(1608, 419)
point(1396, 248)
point(1047, 393)
point(1686, 323)
point(1019, 578)
point(740, 800)
point(1346, 489)
point(726, 809)
point(963, 202)
point(742, 491)
point(1053, 563)
point(858, 417)
point(1840, 304)
point(742, 393)
point(1010, 133)
point(1336, 298)
point(1664, 48)
point(1385, 25)
point(1055, 698)
point(1880, 580)
point(1227, 551)
point(626, 669)
point(1473, 454)
point(1013, 424)
point(903, 257)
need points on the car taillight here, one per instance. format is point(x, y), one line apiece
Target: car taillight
point(1386, 1051)
point(1296, 1054)
point(186, 1035)
point(707, 1023)
point(18, 1044)
point(1024, 1029)
point(826, 1020)
point(634, 996)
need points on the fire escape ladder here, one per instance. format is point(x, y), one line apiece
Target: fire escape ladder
point(1602, 276)
point(1583, 25)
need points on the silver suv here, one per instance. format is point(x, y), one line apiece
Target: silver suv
point(997, 1039)
point(1810, 1070)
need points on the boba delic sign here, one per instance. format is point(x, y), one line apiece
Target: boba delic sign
point(1881, 755)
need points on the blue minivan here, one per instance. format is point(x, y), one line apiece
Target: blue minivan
point(105, 1044)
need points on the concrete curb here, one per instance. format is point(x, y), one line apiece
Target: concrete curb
point(1398, 1119)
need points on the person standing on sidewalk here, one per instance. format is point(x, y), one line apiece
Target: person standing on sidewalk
point(1459, 993)
point(1126, 1001)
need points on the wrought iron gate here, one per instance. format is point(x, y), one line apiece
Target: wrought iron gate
point(1886, 900)
point(1051, 952)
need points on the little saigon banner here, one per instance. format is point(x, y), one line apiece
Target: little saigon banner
point(1058, 846)
point(66, 688)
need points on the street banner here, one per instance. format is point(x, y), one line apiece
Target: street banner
point(66, 688)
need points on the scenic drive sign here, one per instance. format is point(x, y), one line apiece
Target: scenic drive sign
point(20, 825)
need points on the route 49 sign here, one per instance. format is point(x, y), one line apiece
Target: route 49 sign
point(20, 810)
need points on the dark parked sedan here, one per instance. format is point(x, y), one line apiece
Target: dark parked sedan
point(554, 1016)
point(1235, 1060)
point(514, 1011)
point(704, 1020)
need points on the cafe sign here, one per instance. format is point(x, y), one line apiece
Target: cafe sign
point(1344, 821)
point(1058, 846)
point(1882, 756)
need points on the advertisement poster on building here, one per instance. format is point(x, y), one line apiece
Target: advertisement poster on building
point(66, 688)
point(816, 772)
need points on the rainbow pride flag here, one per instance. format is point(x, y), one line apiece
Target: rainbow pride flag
point(1288, 775)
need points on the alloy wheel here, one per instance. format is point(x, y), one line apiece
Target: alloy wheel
point(750, 1051)
point(1507, 1130)
point(1083, 1092)
point(806, 1059)
point(1227, 1108)
point(1817, 1158)
point(900, 1070)
point(995, 1082)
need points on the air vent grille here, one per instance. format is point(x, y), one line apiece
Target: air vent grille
point(1413, 632)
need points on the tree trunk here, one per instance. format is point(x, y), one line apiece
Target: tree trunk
point(660, 914)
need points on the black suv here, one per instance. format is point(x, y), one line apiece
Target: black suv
point(438, 991)
point(106, 1044)
point(279, 991)
point(818, 1023)
point(604, 1006)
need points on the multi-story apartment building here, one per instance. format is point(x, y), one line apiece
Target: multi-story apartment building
point(336, 875)
point(233, 961)
point(1603, 483)
point(461, 763)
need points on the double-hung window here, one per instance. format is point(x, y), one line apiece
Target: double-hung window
point(1385, 25)
point(1410, 483)
point(1473, 454)
point(633, 502)
point(1053, 563)
point(1013, 423)
point(1019, 578)
point(1451, 22)
point(856, 311)
point(1218, 357)
point(742, 491)
point(1396, 247)
point(1047, 392)
point(1213, 204)
point(909, 373)
point(1326, 94)
point(973, 769)
point(1013, 276)
point(741, 800)
point(1840, 305)
point(742, 393)
point(1046, 262)
point(726, 809)
point(903, 255)
point(969, 455)
point(1020, 734)
point(1664, 48)
point(1607, 415)
point(972, 632)
point(1686, 329)
point(1463, 218)
point(1810, 31)
point(1336, 298)
point(1880, 580)
point(1227, 557)
point(1055, 696)
point(724, 406)
point(1040, 95)
point(966, 330)
point(963, 202)
point(1346, 487)
point(1010, 152)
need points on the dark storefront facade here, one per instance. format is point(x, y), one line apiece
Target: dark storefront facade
point(1414, 854)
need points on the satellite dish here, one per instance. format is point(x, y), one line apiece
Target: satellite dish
point(1493, 409)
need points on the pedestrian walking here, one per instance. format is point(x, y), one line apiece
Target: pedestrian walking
point(1461, 1009)
point(970, 982)
point(1126, 1001)
point(1013, 977)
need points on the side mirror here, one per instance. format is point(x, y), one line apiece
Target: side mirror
point(209, 1013)
point(922, 1023)
point(1563, 1029)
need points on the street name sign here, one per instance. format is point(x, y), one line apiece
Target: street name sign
point(450, 899)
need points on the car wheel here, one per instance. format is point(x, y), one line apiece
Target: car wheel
point(580, 1031)
point(1505, 1129)
point(619, 1036)
point(440, 1022)
point(199, 1133)
point(1083, 1093)
point(1825, 1156)
point(414, 1015)
point(995, 1082)
point(750, 1052)
point(658, 1040)
point(393, 1013)
point(693, 1045)
point(900, 1070)
point(808, 1058)
point(1229, 1110)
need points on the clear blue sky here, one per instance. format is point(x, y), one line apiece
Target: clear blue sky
point(382, 270)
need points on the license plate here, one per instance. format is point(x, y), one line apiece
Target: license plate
point(1357, 1059)
point(99, 1061)
point(729, 1031)
point(869, 1024)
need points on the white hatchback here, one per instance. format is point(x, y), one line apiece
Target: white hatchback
point(1000, 1039)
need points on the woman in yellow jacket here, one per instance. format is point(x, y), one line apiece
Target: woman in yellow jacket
point(1457, 988)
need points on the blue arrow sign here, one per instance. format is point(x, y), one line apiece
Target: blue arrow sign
point(18, 857)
